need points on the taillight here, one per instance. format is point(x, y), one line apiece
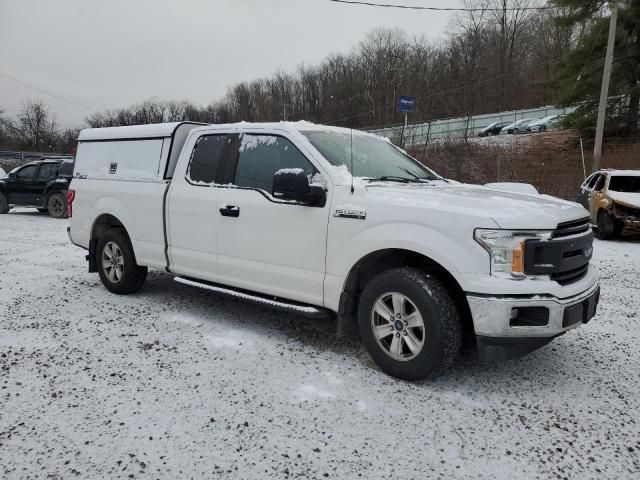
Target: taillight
point(71, 196)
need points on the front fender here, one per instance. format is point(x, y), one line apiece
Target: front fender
point(457, 253)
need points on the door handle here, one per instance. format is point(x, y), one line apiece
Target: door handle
point(230, 211)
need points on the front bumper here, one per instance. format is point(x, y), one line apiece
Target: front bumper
point(499, 339)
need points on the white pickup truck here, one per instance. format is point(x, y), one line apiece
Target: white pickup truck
point(272, 213)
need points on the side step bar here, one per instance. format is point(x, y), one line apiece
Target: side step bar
point(273, 302)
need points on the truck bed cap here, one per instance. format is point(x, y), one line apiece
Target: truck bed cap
point(155, 130)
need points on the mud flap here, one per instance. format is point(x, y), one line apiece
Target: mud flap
point(91, 257)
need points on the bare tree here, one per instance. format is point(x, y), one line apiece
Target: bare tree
point(36, 127)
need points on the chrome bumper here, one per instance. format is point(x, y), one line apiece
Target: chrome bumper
point(492, 314)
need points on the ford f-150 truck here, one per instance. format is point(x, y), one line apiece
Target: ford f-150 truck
point(316, 220)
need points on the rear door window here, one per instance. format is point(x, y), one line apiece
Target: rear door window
point(206, 159)
point(261, 156)
point(47, 171)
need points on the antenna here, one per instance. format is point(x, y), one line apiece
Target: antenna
point(351, 161)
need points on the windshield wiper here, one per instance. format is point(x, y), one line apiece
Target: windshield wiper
point(393, 178)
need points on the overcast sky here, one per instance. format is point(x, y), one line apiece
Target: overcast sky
point(112, 53)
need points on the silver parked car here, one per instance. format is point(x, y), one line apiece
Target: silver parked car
point(547, 123)
point(519, 126)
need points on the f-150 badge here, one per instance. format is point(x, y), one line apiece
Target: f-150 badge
point(350, 212)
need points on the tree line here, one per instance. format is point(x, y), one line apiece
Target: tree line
point(35, 129)
point(498, 55)
point(493, 59)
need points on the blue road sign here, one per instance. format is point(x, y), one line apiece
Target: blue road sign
point(406, 103)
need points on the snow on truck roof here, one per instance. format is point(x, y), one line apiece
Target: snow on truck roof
point(154, 130)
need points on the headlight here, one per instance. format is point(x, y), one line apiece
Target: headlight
point(506, 249)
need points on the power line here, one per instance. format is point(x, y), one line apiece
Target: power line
point(47, 93)
point(437, 9)
point(453, 90)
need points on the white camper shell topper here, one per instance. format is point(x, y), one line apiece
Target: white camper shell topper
point(138, 153)
point(323, 220)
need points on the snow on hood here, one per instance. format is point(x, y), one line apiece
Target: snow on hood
point(630, 199)
point(510, 210)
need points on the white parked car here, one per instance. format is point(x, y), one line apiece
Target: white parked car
point(271, 213)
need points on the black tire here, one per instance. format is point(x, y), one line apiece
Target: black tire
point(442, 331)
point(57, 205)
point(607, 226)
point(543, 128)
point(4, 204)
point(516, 131)
point(132, 276)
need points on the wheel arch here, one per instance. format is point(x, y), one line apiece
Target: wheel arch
point(381, 260)
point(101, 224)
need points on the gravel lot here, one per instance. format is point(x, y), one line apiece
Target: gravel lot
point(175, 382)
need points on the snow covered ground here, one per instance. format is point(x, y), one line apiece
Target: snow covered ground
point(176, 382)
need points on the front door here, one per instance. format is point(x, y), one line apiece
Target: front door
point(597, 197)
point(585, 191)
point(267, 245)
point(20, 188)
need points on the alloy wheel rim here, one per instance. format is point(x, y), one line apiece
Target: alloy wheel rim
point(112, 262)
point(397, 326)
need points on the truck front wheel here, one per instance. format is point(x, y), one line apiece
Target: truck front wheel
point(117, 265)
point(409, 323)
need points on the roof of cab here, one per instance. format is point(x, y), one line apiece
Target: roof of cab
point(154, 130)
point(300, 126)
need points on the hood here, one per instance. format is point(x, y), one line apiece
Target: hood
point(509, 210)
point(628, 199)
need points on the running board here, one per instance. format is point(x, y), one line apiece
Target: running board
point(273, 302)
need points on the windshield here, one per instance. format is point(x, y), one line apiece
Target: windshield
point(625, 184)
point(371, 157)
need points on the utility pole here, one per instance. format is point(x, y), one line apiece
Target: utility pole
point(604, 91)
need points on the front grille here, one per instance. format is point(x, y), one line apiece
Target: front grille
point(570, 276)
point(574, 227)
point(565, 257)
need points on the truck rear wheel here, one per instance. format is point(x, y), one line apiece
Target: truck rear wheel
point(117, 265)
point(4, 203)
point(57, 205)
point(409, 324)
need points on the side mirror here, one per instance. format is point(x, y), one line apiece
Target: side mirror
point(293, 184)
point(12, 175)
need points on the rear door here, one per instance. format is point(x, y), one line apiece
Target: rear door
point(192, 207)
point(20, 189)
point(264, 244)
point(46, 173)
